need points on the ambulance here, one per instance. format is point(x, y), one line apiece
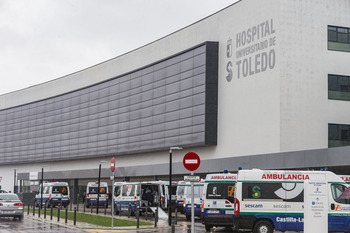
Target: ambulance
point(140, 194)
point(180, 195)
point(187, 201)
point(92, 192)
point(54, 193)
point(268, 200)
point(218, 200)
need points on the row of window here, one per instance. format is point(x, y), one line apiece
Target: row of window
point(338, 85)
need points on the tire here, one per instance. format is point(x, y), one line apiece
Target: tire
point(263, 227)
point(207, 227)
point(188, 217)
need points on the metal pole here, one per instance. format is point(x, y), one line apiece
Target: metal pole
point(170, 188)
point(98, 191)
point(113, 200)
point(14, 181)
point(42, 187)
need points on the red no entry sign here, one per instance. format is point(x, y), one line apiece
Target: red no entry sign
point(191, 161)
point(112, 164)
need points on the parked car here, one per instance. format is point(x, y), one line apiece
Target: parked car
point(11, 206)
point(3, 191)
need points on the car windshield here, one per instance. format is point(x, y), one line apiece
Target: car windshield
point(9, 197)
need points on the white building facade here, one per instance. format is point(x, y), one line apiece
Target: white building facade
point(260, 84)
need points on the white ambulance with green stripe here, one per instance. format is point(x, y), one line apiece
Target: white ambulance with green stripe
point(218, 200)
point(267, 200)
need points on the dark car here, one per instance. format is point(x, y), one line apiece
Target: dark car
point(11, 206)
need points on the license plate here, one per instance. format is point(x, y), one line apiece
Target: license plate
point(229, 212)
point(213, 211)
point(8, 212)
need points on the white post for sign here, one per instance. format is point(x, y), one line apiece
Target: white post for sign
point(113, 199)
point(192, 205)
point(315, 206)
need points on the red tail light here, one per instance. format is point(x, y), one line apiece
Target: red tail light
point(227, 202)
point(236, 206)
point(50, 197)
point(161, 200)
point(17, 204)
point(135, 200)
point(1, 204)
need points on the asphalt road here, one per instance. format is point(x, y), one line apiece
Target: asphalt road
point(28, 225)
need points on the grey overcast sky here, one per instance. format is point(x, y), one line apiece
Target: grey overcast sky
point(41, 40)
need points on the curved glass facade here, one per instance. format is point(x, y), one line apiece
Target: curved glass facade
point(169, 103)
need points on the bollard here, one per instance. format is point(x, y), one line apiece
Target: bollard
point(138, 218)
point(45, 211)
point(34, 209)
point(51, 212)
point(172, 228)
point(58, 213)
point(84, 206)
point(91, 206)
point(75, 216)
point(71, 204)
point(66, 218)
point(120, 209)
point(129, 211)
point(146, 212)
point(156, 218)
point(175, 221)
point(78, 205)
point(39, 210)
point(188, 228)
point(105, 209)
point(28, 209)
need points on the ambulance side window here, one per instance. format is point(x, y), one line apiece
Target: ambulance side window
point(337, 191)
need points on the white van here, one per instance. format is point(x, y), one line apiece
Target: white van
point(267, 200)
point(180, 195)
point(92, 192)
point(54, 193)
point(218, 200)
point(187, 201)
point(140, 194)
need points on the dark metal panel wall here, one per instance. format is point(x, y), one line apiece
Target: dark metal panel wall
point(172, 102)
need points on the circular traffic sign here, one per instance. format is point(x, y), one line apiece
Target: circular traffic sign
point(112, 164)
point(191, 161)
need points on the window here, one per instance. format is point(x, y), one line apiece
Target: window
point(338, 135)
point(128, 190)
point(338, 87)
point(337, 190)
point(60, 189)
point(288, 192)
point(198, 190)
point(339, 38)
point(221, 191)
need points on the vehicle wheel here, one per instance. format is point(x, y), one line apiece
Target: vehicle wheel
point(263, 227)
point(207, 227)
point(188, 217)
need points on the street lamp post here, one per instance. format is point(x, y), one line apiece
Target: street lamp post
point(170, 179)
point(14, 179)
point(98, 185)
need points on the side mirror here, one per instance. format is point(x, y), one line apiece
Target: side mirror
point(332, 206)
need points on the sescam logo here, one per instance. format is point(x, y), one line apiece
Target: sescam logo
point(255, 51)
point(285, 177)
